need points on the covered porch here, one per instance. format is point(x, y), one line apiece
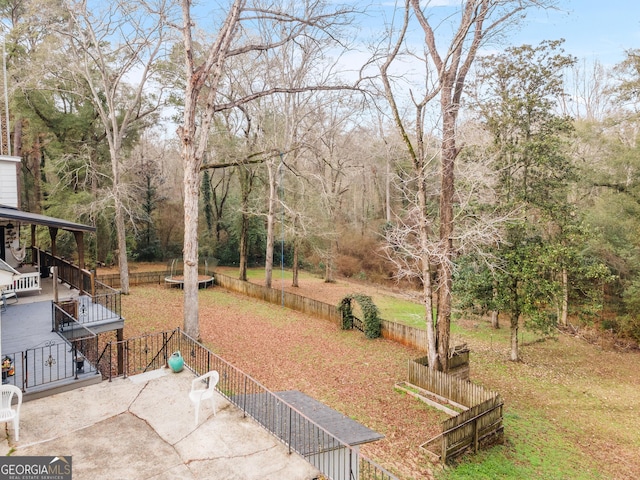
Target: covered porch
point(52, 310)
point(20, 251)
point(46, 340)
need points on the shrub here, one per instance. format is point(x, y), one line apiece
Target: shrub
point(347, 313)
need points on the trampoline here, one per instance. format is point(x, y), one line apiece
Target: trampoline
point(175, 277)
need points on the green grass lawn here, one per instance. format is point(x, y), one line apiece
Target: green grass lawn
point(567, 404)
point(391, 307)
point(570, 407)
point(401, 311)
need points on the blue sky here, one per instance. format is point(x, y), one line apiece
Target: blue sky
point(593, 29)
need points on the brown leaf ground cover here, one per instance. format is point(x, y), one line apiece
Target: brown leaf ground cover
point(285, 350)
point(571, 408)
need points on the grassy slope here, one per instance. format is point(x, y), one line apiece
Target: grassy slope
point(569, 408)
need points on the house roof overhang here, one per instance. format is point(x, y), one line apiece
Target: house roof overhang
point(7, 273)
point(9, 213)
point(6, 269)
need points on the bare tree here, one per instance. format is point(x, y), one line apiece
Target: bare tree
point(333, 169)
point(247, 29)
point(116, 49)
point(590, 98)
point(446, 67)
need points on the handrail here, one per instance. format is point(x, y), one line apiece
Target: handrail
point(51, 362)
point(58, 323)
point(330, 455)
point(162, 350)
point(75, 276)
point(101, 295)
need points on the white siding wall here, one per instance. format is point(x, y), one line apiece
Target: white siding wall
point(8, 181)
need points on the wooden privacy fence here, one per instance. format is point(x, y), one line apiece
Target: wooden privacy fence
point(135, 278)
point(479, 425)
point(398, 332)
point(409, 336)
point(401, 333)
point(289, 300)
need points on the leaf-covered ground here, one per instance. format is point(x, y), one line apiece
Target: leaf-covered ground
point(571, 408)
point(285, 350)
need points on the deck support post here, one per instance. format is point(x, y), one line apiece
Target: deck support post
point(120, 344)
point(53, 233)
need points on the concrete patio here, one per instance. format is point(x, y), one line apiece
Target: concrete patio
point(142, 427)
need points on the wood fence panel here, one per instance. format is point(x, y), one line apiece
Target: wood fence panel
point(135, 278)
point(468, 429)
point(456, 389)
point(410, 336)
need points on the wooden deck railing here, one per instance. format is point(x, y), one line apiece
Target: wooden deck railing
point(26, 282)
point(78, 278)
point(85, 281)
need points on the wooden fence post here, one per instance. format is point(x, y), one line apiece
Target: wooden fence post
point(475, 435)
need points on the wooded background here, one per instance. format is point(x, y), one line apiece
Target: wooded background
point(335, 167)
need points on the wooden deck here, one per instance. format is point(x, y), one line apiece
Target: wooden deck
point(43, 361)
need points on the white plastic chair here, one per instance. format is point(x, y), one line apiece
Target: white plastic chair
point(9, 412)
point(198, 393)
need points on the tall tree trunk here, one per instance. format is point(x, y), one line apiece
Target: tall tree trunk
point(17, 138)
point(328, 264)
point(34, 201)
point(432, 334)
point(121, 235)
point(244, 247)
point(445, 266)
point(294, 268)
point(17, 151)
point(245, 189)
point(515, 317)
point(388, 192)
point(268, 262)
point(495, 322)
point(190, 247)
point(30, 199)
point(427, 284)
point(296, 248)
point(564, 315)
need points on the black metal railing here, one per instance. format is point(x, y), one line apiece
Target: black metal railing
point(109, 298)
point(134, 355)
point(65, 321)
point(333, 458)
point(49, 363)
point(103, 306)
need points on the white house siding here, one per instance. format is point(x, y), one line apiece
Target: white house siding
point(8, 181)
